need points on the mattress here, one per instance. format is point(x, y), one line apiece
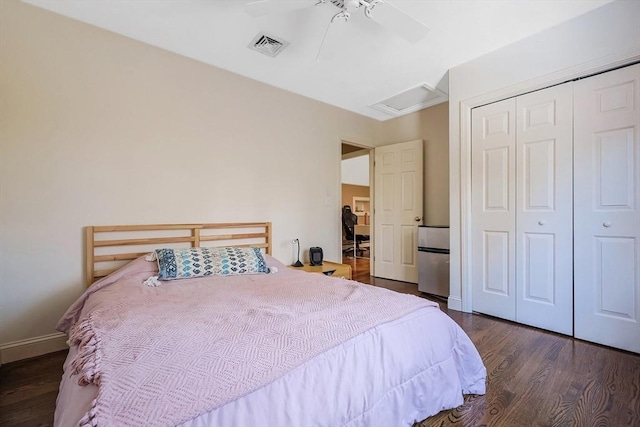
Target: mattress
point(395, 372)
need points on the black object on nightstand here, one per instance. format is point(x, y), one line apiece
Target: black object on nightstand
point(315, 256)
point(297, 263)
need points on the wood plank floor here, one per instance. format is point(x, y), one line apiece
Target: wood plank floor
point(28, 390)
point(535, 378)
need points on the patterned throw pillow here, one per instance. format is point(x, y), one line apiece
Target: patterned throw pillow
point(198, 262)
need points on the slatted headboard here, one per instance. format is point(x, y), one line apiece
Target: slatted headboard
point(111, 246)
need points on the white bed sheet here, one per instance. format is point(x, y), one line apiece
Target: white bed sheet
point(392, 375)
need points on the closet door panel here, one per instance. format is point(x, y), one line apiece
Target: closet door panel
point(493, 209)
point(615, 264)
point(607, 214)
point(544, 216)
point(538, 281)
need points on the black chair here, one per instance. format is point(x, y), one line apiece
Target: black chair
point(352, 240)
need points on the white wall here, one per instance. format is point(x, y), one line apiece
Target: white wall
point(607, 35)
point(355, 171)
point(99, 129)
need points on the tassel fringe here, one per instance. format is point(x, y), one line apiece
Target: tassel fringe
point(152, 282)
point(89, 419)
point(86, 364)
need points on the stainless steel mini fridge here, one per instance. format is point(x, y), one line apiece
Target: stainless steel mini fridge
point(433, 260)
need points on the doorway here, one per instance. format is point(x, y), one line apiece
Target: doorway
point(356, 208)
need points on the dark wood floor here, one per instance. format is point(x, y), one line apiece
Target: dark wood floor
point(535, 378)
point(28, 390)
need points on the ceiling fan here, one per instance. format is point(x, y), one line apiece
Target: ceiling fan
point(379, 11)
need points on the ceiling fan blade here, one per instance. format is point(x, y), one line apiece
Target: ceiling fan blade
point(265, 7)
point(399, 22)
point(333, 40)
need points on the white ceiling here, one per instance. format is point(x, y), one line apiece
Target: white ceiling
point(373, 64)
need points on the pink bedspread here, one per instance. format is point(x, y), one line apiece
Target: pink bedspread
point(162, 356)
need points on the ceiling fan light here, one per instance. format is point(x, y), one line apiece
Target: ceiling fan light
point(351, 5)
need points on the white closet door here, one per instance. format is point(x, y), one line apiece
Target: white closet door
point(607, 215)
point(544, 213)
point(493, 209)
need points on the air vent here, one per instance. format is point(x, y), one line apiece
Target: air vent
point(267, 44)
point(411, 100)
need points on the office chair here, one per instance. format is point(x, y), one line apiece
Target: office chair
point(349, 221)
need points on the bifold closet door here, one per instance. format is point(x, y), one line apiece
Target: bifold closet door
point(493, 206)
point(607, 215)
point(521, 190)
point(544, 209)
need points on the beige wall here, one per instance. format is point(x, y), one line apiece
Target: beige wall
point(350, 191)
point(432, 126)
point(100, 129)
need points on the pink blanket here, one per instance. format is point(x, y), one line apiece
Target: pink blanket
point(162, 356)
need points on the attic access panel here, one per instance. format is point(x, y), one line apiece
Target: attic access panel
point(411, 100)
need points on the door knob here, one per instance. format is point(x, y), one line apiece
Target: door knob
point(417, 218)
point(542, 222)
point(606, 224)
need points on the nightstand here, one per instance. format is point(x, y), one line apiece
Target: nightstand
point(328, 268)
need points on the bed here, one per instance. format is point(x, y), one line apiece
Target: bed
point(272, 346)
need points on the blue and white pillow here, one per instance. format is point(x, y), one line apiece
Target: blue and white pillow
point(198, 262)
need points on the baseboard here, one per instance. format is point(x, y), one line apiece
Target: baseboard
point(32, 347)
point(454, 303)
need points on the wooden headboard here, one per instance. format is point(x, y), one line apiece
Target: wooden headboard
point(108, 247)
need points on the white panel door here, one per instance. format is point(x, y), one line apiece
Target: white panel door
point(607, 215)
point(493, 209)
point(544, 213)
point(398, 174)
